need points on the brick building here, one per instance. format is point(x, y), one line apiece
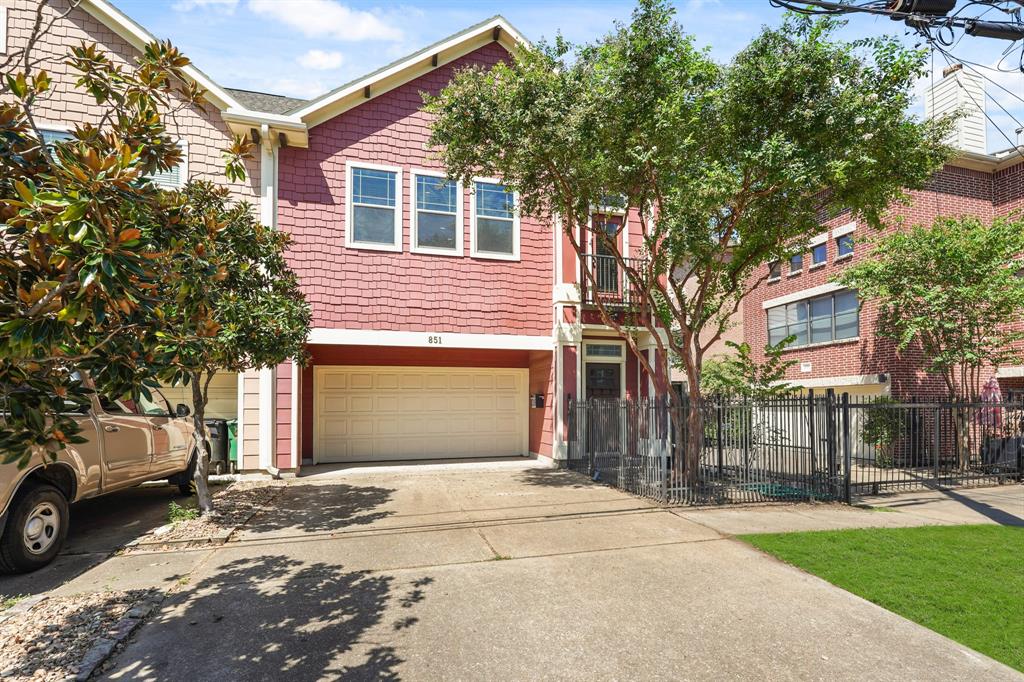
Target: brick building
point(837, 346)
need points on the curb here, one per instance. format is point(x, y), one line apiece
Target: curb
point(98, 654)
point(22, 606)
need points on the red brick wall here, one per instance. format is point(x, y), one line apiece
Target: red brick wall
point(953, 192)
point(359, 289)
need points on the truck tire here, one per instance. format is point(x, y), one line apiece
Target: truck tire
point(186, 486)
point(36, 529)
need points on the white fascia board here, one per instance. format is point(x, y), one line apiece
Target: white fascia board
point(373, 337)
point(138, 37)
point(278, 121)
point(846, 380)
point(314, 112)
point(804, 294)
point(844, 229)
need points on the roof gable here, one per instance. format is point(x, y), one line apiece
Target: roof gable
point(354, 93)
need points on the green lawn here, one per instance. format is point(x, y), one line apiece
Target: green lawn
point(965, 582)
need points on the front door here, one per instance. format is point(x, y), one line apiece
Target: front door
point(604, 381)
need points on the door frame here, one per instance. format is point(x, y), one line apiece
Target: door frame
point(522, 409)
point(603, 360)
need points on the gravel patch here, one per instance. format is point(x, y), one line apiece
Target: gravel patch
point(232, 507)
point(63, 638)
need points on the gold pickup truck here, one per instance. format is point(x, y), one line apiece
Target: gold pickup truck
point(128, 443)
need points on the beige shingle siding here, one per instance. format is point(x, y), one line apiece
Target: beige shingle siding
point(203, 129)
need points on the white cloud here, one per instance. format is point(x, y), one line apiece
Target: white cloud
point(327, 19)
point(227, 6)
point(321, 60)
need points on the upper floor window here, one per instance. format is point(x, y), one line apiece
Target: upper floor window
point(821, 319)
point(436, 215)
point(774, 270)
point(495, 223)
point(173, 178)
point(819, 254)
point(373, 219)
point(844, 246)
point(796, 263)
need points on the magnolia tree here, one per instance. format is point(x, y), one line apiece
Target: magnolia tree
point(726, 166)
point(955, 290)
point(232, 303)
point(81, 226)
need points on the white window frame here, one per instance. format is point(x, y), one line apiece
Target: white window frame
point(183, 172)
point(396, 245)
point(3, 30)
point(489, 255)
point(414, 236)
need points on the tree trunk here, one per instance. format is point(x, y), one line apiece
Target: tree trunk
point(694, 434)
point(202, 471)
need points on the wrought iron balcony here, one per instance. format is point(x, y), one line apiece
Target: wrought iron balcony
point(613, 288)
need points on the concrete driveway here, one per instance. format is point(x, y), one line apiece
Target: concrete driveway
point(98, 527)
point(510, 572)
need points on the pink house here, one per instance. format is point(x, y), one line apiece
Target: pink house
point(446, 324)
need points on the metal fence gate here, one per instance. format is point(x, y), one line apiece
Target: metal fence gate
point(822, 447)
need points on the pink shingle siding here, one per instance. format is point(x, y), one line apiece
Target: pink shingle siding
point(65, 105)
point(360, 289)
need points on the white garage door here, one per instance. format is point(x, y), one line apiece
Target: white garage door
point(394, 413)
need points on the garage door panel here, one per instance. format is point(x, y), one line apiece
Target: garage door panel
point(381, 413)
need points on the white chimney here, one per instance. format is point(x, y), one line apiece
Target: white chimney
point(963, 92)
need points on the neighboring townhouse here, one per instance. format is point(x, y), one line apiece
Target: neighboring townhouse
point(446, 324)
point(837, 345)
point(202, 132)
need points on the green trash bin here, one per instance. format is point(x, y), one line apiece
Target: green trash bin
point(233, 444)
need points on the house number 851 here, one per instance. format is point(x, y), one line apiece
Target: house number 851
point(434, 339)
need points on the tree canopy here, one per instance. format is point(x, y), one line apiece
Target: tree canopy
point(231, 301)
point(725, 166)
point(955, 290)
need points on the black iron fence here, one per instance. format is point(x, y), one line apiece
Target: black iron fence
point(822, 447)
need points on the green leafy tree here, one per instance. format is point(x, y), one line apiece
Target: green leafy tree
point(739, 374)
point(727, 166)
point(953, 290)
point(81, 227)
point(232, 303)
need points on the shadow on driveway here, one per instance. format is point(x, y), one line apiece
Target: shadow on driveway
point(98, 527)
point(317, 508)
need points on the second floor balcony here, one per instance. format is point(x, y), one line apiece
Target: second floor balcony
point(613, 288)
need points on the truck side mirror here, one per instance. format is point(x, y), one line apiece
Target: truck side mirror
point(181, 410)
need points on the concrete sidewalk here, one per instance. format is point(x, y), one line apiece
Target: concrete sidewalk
point(512, 573)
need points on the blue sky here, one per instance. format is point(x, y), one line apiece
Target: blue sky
point(303, 48)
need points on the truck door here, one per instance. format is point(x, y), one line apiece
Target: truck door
point(128, 442)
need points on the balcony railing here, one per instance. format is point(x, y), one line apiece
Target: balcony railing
point(613, 288)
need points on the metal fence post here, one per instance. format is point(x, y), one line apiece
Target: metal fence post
point(936, 439)
point(847, 455)
point(718, 419)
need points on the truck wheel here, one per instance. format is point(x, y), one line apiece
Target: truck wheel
point(186, 484)
point(36, 529)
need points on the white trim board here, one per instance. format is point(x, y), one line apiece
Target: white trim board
point(1010, 372)
point(803, 294)
point(847, 380)
point(431, 339)
point(844, 229)
point(818, 239)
